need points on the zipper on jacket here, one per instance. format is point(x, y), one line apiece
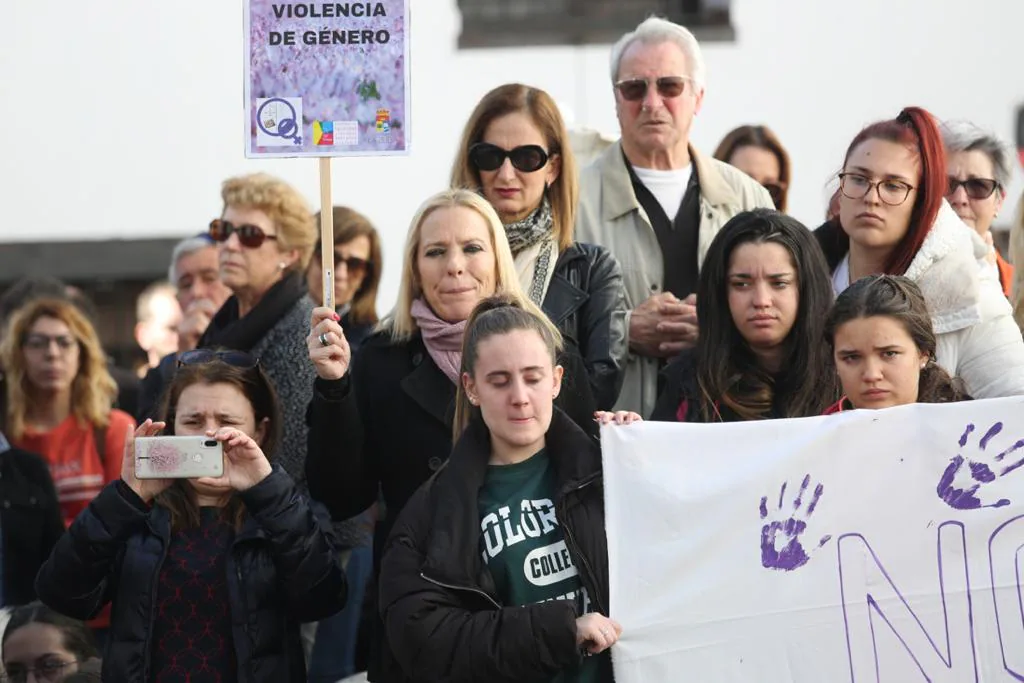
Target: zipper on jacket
point(588, 573)
point(461, 588)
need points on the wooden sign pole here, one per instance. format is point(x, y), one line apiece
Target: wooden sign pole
point(327, 231)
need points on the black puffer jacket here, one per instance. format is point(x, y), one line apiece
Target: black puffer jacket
point(443, 617)
point(30, 518)
point(282, 569)
point(587, 301)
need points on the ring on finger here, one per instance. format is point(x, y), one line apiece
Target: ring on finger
point(323, 339)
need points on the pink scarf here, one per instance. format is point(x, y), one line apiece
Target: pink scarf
point(442, 339)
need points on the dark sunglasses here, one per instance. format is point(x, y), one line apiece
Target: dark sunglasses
point(356, 266)
point(251, 236)
point(527, 158)
point(634, 89)
point(976, 188)
point(776, 191)
point(237, 359)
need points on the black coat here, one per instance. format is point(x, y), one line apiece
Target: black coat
point(678, 383)
point(443, 618)
point(30, 519)
point(386, 426)
point(587, 301)
point(834, 242)
point(282, 569)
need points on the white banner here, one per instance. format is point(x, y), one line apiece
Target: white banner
point(883, 546)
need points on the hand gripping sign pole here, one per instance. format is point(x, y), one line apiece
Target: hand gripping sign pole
point(327, 231)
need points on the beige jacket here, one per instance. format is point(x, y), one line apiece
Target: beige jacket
point(610, 215)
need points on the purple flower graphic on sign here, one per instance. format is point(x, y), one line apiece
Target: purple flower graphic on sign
point(965, 476)
point(781, 546)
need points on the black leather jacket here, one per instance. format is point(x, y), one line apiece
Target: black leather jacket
point(587, 301)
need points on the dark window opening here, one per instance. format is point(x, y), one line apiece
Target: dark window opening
point(523, 23)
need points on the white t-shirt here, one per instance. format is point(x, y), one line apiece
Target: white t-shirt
point(668, 187)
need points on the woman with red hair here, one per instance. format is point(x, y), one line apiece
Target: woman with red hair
point(889, 216)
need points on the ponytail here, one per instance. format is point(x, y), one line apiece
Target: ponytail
point(498, 314)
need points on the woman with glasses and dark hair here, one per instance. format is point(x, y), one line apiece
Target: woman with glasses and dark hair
point(357, 270)
point(979, 172)
point(265, 238)
point(46, 644)
point(756, 151)
point(764, 294)
point(891, 218)
point(515, 151)
point(209, 577)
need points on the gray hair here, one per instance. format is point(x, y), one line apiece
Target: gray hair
point(655, 30)
point(189, 245)
point(964, 136)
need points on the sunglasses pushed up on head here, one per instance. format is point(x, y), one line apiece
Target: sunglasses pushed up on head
point(251, 236)
point(237, 359)
point(525, 158)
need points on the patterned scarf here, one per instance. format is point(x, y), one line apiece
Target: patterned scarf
point(442, 339)
point(535, 229)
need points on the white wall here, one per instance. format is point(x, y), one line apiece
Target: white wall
point(120, 118)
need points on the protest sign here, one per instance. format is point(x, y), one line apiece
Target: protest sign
point(326, 79)
point(881, 546)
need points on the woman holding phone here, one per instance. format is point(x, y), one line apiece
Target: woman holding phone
point(208, 577)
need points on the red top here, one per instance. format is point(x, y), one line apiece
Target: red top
point(1005, 275)
point(839, 406)
point(70, 451)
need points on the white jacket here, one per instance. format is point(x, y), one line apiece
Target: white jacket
point(978, 339)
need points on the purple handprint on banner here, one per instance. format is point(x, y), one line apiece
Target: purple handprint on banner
point(963, 477)
point(785, 528)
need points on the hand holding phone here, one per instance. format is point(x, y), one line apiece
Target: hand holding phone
point(146, 489)
point(245, 464)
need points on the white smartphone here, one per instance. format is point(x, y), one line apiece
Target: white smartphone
point(178, 457)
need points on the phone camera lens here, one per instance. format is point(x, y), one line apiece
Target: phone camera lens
point(210, 444)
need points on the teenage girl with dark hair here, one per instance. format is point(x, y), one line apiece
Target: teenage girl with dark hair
point(763, 294)
point(883, 344)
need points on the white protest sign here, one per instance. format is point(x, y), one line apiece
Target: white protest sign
point(883, 546)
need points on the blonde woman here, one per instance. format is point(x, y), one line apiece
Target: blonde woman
point(516, 152)
point(59, 400)
point(384, 421)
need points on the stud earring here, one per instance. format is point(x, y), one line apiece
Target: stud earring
point(282, 265)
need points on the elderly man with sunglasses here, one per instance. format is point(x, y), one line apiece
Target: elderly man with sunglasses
point(979, 171)
point(656, 202)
